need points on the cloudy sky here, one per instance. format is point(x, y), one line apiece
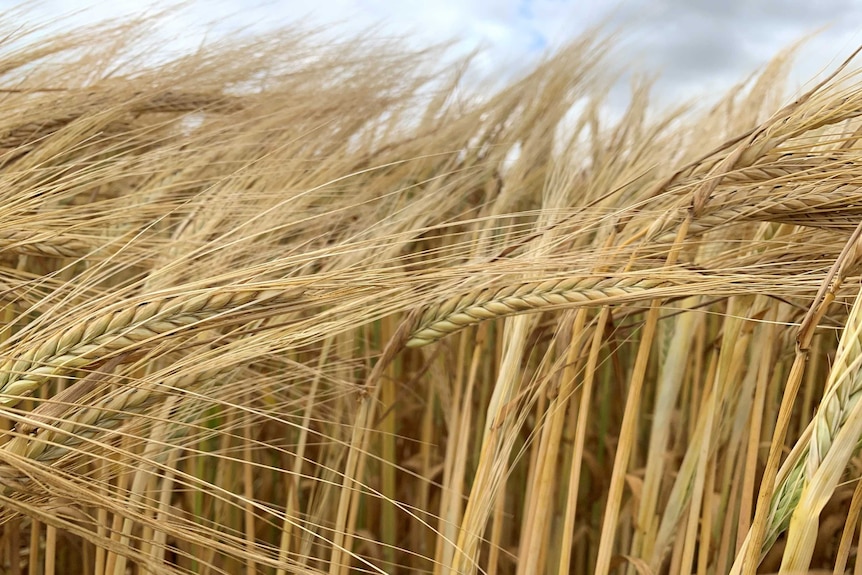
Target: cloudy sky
point(697, 46)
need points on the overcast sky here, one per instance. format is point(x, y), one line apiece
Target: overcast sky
point(697, 46)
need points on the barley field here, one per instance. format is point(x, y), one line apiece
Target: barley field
point(289, 305)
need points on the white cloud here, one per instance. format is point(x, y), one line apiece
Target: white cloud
point(696, 45)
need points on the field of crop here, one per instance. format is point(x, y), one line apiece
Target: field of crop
point(288, 305)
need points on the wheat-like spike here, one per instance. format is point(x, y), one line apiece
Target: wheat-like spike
point(43, 244)
point(832, 206)
point(168, 102)
point(784, 500)
point(121, 329)
point(789, 482)
point(174, 102)
point(837, 427)
point(788, 165)
point(814, 199)
point(31, 131)
point(60, 403)
point(57, 436)
point(843, 392)
point(462, 311)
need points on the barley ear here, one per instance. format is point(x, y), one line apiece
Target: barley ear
point(459, 312)
point(836, 432)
